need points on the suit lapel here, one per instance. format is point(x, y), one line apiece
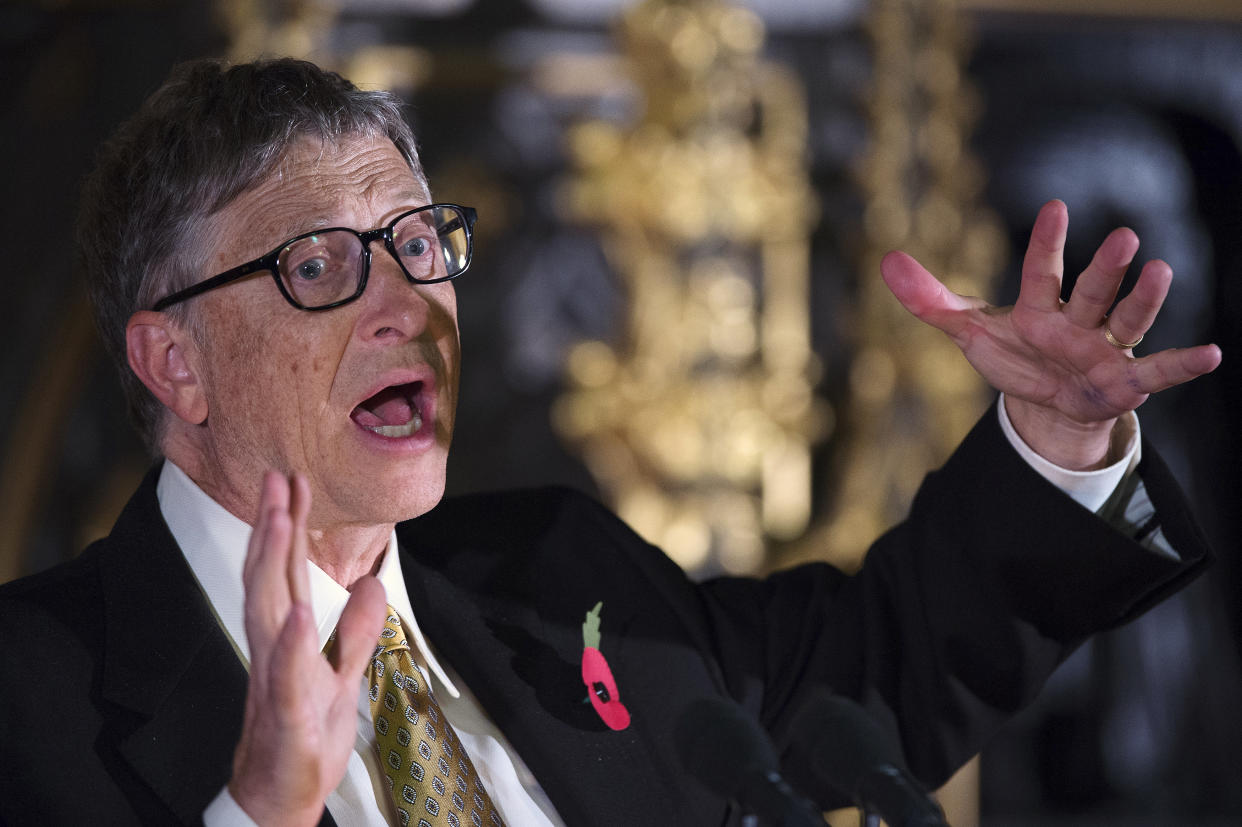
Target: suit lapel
point(167, 659)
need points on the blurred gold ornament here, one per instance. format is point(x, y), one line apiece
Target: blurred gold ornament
point(700, 427)
point(912, 396)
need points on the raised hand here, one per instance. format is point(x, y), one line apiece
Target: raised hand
point(1067, 368)
point(301, 707)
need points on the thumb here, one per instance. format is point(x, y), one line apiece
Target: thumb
point(922, 293)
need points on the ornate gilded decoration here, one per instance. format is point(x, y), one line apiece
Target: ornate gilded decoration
point(698, 422)
point(912, 395)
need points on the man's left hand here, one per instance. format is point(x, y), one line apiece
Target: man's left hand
point(1065, 383)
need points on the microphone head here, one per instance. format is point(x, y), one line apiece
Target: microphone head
point(845, 742)
point(722, 746)
point(846, 747)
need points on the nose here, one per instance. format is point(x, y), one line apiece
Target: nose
point(393, 308)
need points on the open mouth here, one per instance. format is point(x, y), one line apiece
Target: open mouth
point(392, 413)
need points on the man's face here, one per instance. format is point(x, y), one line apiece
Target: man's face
point(359, 398)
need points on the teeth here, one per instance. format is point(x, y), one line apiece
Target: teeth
point(394, 431)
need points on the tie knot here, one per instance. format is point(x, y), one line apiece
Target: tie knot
point(392, 637)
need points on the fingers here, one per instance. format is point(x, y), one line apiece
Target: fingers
point(294, 658)
point(1043, 266)
point(264, 574)
point(359, 628)
point(1167, 368)
point(1096, 288)
point(1133, 316)
point(273, 495)
point(275, 575)
point(299, 508)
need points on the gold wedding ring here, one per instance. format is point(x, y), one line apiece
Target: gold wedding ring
point(1115, 342)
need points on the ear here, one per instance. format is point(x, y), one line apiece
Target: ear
point(163, 355)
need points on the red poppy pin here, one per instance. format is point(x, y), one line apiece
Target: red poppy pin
point(601, 686)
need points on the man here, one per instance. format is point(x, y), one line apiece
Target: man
point(266, 258)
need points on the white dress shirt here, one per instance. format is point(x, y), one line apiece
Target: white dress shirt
point(214, 543)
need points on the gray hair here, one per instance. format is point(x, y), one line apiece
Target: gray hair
point(210, 133)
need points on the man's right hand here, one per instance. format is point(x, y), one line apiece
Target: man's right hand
point(301, 708)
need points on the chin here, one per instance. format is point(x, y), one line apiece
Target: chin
point(412, 495)
point(375, 490)
point(419, 508)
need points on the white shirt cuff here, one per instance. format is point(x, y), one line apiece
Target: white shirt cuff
point(1090, 489)
point(224, 811)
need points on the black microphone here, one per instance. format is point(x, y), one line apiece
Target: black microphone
point(729, 753)
point(846, 748)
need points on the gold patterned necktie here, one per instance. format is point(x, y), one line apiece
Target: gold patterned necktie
point(432, 780)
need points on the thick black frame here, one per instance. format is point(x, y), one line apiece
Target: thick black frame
point(269, 261)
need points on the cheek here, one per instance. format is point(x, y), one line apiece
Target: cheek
point(310, 374)
point(448, 347)
point(305, 367)
point(448, 334)
point(262, 370)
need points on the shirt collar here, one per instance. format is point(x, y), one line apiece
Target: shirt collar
point(214, 541)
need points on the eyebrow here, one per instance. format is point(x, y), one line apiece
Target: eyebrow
point(286, 230)
point(281, 231)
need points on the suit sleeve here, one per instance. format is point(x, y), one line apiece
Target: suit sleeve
point(959, 614)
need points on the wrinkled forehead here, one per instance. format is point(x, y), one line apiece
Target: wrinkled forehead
point(357, 181)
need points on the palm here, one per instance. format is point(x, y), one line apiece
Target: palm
point(1051, 355)
point(1045, 359)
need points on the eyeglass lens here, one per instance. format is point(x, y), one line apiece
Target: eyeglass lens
point(325, 268)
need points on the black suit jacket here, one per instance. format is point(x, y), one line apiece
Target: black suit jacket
point(953, 624)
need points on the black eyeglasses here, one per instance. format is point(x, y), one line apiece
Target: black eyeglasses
point(327, 268)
